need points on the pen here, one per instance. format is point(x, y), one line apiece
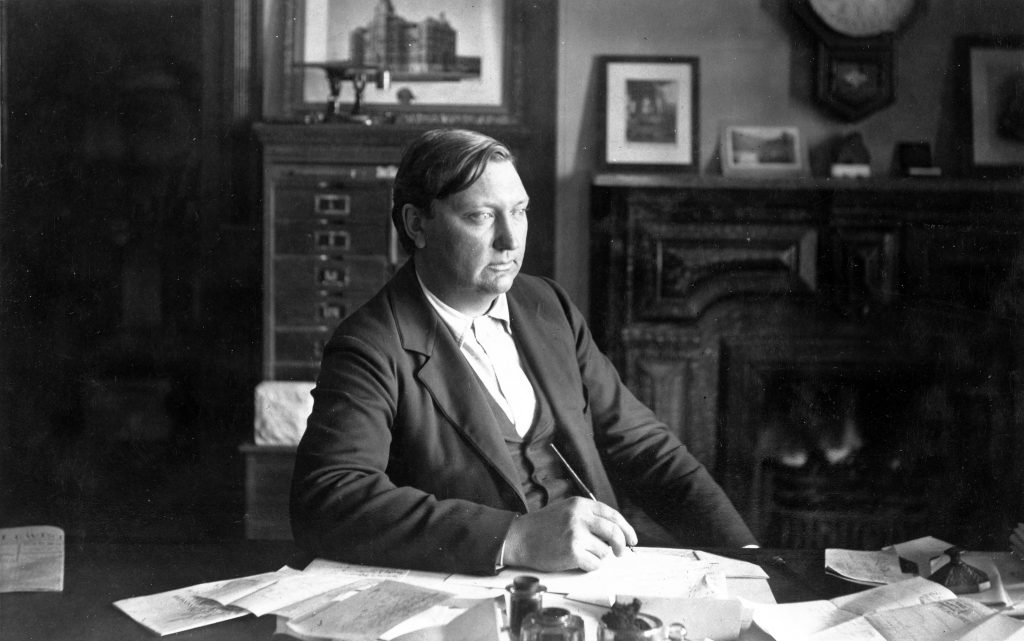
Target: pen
point(576, 478)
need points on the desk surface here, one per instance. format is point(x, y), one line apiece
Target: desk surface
point(97, 574)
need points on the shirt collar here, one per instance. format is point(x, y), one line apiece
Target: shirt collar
point(460, 323)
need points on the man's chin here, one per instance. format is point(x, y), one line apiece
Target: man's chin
point(499, 283)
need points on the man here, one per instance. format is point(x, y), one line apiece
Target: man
point(443, 403)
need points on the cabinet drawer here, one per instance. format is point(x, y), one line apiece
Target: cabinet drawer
point(328, 200)
point(310, 237)
point(325, 308)
point(310, 275)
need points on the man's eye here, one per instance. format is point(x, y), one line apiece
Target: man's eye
point(480, 216)
point(521, 212)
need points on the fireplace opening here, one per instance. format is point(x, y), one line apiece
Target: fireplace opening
point(851, 459)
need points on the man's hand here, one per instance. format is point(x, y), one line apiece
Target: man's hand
point(569, 534)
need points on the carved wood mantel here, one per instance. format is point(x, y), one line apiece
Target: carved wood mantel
point(711, 294)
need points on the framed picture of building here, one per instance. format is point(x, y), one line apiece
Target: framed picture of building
point(447, 61)
point(648, 111)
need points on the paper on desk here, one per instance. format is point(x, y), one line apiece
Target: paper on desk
point(928, 621)
point(992, 628)
point(865, 566)
point(793, 621)
point(357, 571)
point(320, 601)
point(178, 610)
point(482, 622)
point(643, 564)
point(643, 574)
point(227, 592)
point(296, 587)
point(32, 559)
point(733, 568)
point(922, 622)
point(553, 581)
point(368, 614)
point(718, 619)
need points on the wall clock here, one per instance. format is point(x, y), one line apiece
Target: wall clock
point(855, 53)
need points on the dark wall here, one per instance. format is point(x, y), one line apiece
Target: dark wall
point(129, 351)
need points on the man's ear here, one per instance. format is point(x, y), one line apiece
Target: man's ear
point(412, 218)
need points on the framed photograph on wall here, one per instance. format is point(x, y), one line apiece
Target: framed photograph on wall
point(993, 105)
point(649, 113)
point(449, 61)
point(762, 151)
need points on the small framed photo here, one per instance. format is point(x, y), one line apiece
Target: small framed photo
point(993, 102)
point(762, 151)
point(648, 113)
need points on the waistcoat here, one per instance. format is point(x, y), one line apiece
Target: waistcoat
point(542, 477)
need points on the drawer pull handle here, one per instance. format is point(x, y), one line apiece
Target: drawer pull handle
point(331, 239)
point(331, 311)
point(332, 204)
point(335, 277)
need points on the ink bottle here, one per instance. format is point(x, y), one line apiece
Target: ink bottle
point(523, 597)
point(551, 624)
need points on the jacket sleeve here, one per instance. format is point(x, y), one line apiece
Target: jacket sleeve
point(344, 504)
point(645, 460)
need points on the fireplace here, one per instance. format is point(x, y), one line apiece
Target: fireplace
point(841, 358)
point(844, 445)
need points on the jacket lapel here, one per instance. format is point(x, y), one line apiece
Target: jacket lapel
point(448, 378)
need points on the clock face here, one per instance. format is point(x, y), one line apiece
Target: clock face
point(862, 18)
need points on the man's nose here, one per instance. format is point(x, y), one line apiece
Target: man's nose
point(506, 234)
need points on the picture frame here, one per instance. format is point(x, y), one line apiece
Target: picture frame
point(484, 87)
point(762, 151)
point(649, 113)
point(992, 103)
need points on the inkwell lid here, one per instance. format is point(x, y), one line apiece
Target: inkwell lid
point(527, 584)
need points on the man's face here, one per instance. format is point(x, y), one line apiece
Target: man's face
point(471, 248)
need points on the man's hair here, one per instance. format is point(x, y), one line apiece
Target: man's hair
point(437, 164)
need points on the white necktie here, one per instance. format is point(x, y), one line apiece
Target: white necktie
point(517, 397)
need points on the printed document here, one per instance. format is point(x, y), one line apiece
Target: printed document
point(915, 609)
point(32, 559)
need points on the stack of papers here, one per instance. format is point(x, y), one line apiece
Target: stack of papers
point(329, 600)
point(32, 559)
point(922, 557)
point(914, 609)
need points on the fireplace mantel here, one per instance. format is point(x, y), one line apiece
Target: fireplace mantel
point(713, 294)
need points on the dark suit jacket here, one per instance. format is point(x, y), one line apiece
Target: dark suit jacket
point(402, 464)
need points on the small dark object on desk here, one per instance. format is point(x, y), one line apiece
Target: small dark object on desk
point(959, 577)
point(623, 617)
point(525, 596)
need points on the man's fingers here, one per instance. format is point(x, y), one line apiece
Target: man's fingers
point(611, 514)
point(592, 552)
point(610, 534)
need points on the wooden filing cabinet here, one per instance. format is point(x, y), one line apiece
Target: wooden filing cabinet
point(327, 235)
point(328, 240)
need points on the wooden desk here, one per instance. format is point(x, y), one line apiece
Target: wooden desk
point(97, 574)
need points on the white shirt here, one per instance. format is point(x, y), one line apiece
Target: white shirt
point(486, 343)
